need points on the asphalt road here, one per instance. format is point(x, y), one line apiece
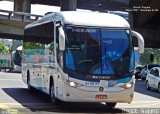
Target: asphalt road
point(15, 99)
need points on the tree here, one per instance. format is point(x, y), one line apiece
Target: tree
point(145, 57)
point(3, 49)
point(32, 45)
point(51, 46)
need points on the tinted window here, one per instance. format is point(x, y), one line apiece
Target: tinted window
point(17, 57)
point(98, 51)
point(156, 72)
point(152, 71)
point(151, 66)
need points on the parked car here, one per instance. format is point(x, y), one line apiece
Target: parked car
point(138, 72)
point(153, 79)
point(147, 68)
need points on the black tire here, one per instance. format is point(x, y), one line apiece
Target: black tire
point(30, 88)
point(159, 87)
point(136, 76)
point(53, 99)
point(110, 105)
point(147, 85)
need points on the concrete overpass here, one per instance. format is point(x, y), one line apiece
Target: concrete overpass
point(146, 22)
point(12, 23)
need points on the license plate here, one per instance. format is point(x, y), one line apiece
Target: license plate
point(101, 97)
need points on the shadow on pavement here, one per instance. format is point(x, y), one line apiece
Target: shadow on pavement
point(140, 88)
point(38, 101)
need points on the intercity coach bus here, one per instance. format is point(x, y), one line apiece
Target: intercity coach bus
point(81, 57)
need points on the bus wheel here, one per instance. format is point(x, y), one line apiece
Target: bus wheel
point(54, 100)
point(110, 105)
point(28, 83)
point(159, 87)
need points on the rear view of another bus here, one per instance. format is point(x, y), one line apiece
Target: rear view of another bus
point(17, 59)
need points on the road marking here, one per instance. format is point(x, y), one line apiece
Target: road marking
point(141, 104)
point(7, 110)
point(3, 106)
point(145, 101)
point(10, 80)
point(147, 105)
point(158, 104)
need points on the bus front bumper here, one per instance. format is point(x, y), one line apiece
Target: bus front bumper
point(72, 94)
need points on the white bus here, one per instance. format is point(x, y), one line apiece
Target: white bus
point(81, 57)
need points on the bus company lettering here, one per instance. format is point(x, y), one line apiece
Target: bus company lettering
point(101, 77)
point(92, 83)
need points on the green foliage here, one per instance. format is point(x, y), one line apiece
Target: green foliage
point(3, 49)
point(145, 57)
point(32, 45)
point(51, 46)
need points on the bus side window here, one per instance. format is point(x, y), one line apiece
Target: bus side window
point(57, 42)
point(59, 53)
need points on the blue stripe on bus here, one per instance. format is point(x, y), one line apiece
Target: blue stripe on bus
point(84, 79)
point(124, 80)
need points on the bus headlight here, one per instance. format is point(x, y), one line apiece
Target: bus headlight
point(128, 85)
point(72, 84)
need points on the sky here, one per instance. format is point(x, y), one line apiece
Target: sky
point(35, 9)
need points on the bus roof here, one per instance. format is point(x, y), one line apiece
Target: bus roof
point(96, 19)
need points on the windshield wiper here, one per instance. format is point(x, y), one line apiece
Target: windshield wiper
point(110, 62)
point(109, 59)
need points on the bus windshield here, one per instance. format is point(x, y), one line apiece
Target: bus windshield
point(98, 51)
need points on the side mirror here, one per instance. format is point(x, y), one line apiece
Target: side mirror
point(61, 39)
point(140, 41)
